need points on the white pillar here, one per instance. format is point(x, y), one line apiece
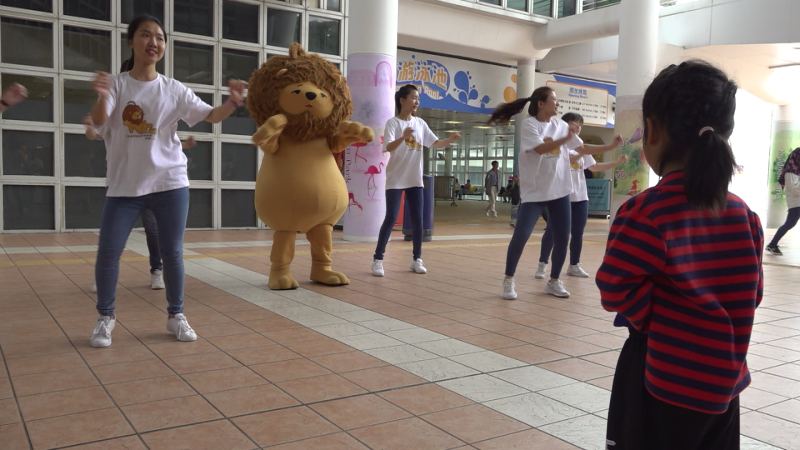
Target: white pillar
point(371, 75)
point(638, 51)
point(526, 74)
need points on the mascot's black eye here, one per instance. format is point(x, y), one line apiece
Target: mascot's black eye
point(296, 91)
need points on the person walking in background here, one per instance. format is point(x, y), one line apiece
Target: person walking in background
point(491, 184)
point(790, 181)
point(683, 271)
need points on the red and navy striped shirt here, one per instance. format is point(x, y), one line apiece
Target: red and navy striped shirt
point(691, 280)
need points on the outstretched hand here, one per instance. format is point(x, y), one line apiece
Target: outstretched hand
point(102, 84)
point(14, 94)
point(237, 91)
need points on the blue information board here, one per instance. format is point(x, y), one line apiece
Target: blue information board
point(599, 196)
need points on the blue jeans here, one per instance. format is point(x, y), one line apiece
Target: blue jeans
point(170, 209)
point(151, 233)
point(580, 214)
point(791, 221)
point(414, 199)
point(559, 218)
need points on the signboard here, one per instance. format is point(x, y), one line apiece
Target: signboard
point(591, 103)
point(599, 196)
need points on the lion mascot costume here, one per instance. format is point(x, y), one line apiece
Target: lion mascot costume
point(301, 104)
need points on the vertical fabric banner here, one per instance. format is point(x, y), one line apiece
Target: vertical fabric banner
point(632, 177)
point(371, 77)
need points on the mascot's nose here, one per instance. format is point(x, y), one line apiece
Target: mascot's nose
point(311, 95)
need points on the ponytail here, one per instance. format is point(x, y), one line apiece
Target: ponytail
point(503, 113)
point(708, 172)
point(127, 64)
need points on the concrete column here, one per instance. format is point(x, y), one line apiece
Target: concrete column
point(526, 74)
point(371, 75)
point(638, 51)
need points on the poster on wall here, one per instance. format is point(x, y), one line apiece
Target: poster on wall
point(631, 177)
point(589, 102)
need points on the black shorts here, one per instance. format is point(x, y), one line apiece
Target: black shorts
point(639, 421)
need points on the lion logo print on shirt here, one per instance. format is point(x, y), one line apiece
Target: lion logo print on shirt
point(133, 119)
point(412, 143)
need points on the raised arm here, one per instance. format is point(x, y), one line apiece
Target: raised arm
point(235, 100)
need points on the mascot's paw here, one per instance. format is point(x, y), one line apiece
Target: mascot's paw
point(355, 132)
point(268, 133)
point(282, 281)
point(329, 277)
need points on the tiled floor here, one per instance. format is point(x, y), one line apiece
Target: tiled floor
point(403, 362)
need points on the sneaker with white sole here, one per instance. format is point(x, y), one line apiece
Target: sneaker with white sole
point(417, 266)
point(773, 249)
point(509, 289)
point(101, 335)
point(577, 271)
point(157, 279)
point(556, 288)
point(179, 326)
point(377, 267)
point(539, 275)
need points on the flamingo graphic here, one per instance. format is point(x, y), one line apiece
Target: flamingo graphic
point(358, 146)
point(372, 171)
point(351, 198)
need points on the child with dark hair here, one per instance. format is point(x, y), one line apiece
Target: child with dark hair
point(404, 136)
point(683, 272)
point(790, 182)
point(138, 112)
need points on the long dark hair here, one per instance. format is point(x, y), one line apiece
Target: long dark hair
point(402, 93)
point(683, 100)
point(503, 113)
point(132, 28)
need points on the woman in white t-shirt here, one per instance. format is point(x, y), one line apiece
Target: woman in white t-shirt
point(789, 180)
point(404, 137)
point(138, 112)
point(580, 160)
point(545, 181)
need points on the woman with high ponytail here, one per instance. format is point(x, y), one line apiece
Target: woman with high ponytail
point(683, 272)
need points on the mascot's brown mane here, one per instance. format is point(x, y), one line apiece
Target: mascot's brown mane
point(267, 82)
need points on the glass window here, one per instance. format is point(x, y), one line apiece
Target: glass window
point(28, 207)
point(38, 39)
point(90, 9)
point(83, 206)
point(87, 50)
point(36, 5)
point(130, 9)
point(520, 5)
point(78, 100)
point(200, 208)
point(126, 52)
point(543, 7)
point(334, 5)
point(283, 27)
point(27, 153)
point(292, 2)
point(239, 122)
point(194, 63)
point(199, 162)
point(202, 126)
point(239, 162)
point(238, 64)
point(39, 104)
point(491, 2)
point(323, 35)
point(84, 158)
point(240, 21)
point(567, 8)
point(194, 16)
point(237, 208)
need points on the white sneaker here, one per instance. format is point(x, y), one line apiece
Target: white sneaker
point(556, 288)
point(509, 290)
point(577, 271)
point(179, 326)
point(417, 266)
point(377, 267)
point(157, 279)
point(539, 275)
point(101, 335)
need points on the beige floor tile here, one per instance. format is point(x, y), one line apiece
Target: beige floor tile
point(252, 399)
point(406, 434)
point(320, 388)
point(425, 399)
point(149, 390)
point(206, 436)
point(360, 411)
point(62, 403)
point(170, 413)
point(223, 379)
point(78, 428)
point(474, 423)
point(278, 427)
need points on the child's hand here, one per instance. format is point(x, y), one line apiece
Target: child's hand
point(617, 141)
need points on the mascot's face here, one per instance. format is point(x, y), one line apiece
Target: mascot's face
point(305, 98)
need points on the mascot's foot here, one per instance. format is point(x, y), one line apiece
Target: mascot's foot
point(282, 282)
point(329, 277)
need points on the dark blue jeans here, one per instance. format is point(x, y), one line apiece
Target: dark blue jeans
point(580, 214)
point(791, 221)
point(414, 199)
point(559, 219)
point(151, 233)
point(170, 209)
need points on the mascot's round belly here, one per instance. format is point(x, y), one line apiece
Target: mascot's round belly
point(300, 187)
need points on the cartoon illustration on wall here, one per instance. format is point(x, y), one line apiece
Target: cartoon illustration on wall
point(351, 198)
point(372, 171)
point(465, 90)
point(510, 93)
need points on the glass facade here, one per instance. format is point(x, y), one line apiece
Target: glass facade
point(52, 178)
